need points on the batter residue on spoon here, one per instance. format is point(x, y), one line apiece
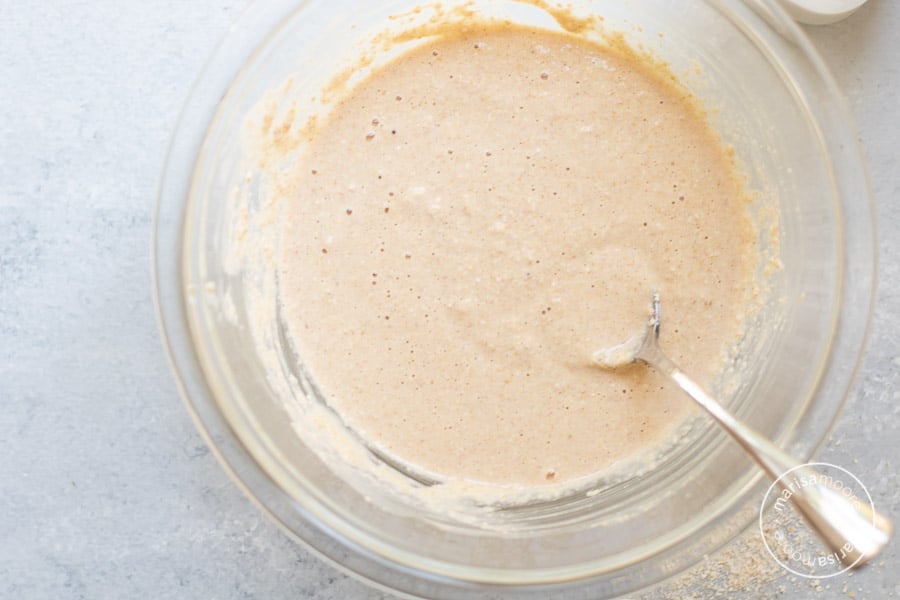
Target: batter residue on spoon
point(479, 216)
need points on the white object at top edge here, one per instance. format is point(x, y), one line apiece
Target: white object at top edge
point(820, 12)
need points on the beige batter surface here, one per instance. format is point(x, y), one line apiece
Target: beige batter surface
point(477, 218)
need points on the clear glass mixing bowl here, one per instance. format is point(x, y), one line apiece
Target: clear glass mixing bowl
point(774, 102)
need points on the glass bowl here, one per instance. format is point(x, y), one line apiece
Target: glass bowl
point(771, 98)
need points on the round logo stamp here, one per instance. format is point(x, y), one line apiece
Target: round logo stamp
point(787, 537)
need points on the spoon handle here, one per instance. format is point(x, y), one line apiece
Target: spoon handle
point(852, 530)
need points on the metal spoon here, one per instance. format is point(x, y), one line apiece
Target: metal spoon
point(832, 515)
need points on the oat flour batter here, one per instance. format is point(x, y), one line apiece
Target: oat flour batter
point(479, 216)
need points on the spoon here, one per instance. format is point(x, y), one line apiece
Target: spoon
point(833, 516)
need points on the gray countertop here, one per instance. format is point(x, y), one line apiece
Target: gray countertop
point(106, 490)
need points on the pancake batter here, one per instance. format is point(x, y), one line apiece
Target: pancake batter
point(479, 216)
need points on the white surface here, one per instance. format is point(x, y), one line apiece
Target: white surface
point(106, 491)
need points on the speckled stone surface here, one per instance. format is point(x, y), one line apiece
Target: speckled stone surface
point(106, 491)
